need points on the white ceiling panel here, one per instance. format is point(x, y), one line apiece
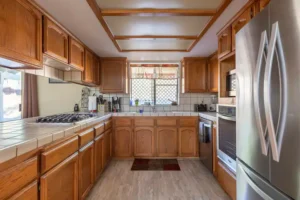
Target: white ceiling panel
point(155, 25)
point(159, 4)
point(157, 44)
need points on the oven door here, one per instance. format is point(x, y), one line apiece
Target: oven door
point(227, 140)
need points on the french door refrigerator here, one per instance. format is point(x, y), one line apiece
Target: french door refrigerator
point(268, 104)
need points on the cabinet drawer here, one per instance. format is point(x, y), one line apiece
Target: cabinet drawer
point(99, 129)
point(144, 122)
point(107, 124)
point(30, 192)
point(166, 121)
point(17, 177)
point(121, 122)
point(56, 155)
point(188, 122)
point(85, 137)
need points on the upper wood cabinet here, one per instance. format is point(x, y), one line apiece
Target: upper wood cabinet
point(225, 42)
point(88, 74)
point(167, 142)
point(122, 142)
point(144, 142)
point(195, 75)
point(114, 76)
point(20, 35)
point(86, 170)
point(76, 54)
point(55, 41)
point(96, 70)
point(187, 142)
point(63, 176)
point(213, 74)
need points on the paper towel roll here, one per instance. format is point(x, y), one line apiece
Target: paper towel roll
point(92, 103)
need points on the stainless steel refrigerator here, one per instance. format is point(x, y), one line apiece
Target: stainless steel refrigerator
point(268, 104)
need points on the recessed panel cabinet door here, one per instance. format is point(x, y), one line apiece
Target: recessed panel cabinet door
point(213, 74)
point(61, 182)
point(88, 68)
point(55, 41)
point(195, 75)
point(123, 142)
point(187, 142)
point(86, 169)
point(76, 54)
point(167, 142)
point(21, 33)
point(143, 142)
point(98, 153)
point(30, 192)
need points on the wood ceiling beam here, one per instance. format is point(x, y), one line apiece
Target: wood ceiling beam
point(157, 12)
point(129, 37)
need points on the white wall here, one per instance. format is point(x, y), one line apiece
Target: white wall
point(57, 98)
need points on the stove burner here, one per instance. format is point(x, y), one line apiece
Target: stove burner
point(64, 118)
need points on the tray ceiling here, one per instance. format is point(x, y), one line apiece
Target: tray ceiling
point(157, 25)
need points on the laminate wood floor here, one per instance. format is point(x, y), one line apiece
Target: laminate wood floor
point(193, 182)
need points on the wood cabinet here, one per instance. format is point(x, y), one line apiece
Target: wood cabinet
point(227, 180)
point(114, 76)
point(213, 73)
point(167, 142)
point(123, 142)
point(107, 147)
point(96, 71)
point(89, 66)
point(98, 153)
point(61, 182)
point(86, 169)
point(215, 151)
point(55, 41)
point(225, 42)
point(144, 142)
point(187, 142)
point(30, 192)
point(76, 54)
point(20, 35)
point(195, 75)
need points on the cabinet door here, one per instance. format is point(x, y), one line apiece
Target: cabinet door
point(21, 34)
point(105, 149)
point(167, 142)
point(123, 142)
point(225, 42)
point(88, 68)
point(96, 71)
point(227, 180)
point(196, 75)
point(113, 75)
point(61, 182)
point(215, 153)
point(30, 192)
point(86, 169)
point(55, 41)
point(98, 152)
point(213, 74)
point(76, 54)
point(143, 142)
point(187, 142)
point(240, 22)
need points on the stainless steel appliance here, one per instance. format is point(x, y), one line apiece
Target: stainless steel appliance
point(226, 131)
point(231, 83)
point(64, 118)
point(268, 109)
point(205, 143)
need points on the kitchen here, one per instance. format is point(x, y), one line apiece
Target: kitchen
point(149, 100)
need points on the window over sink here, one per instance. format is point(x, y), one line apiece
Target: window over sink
point(154, 84)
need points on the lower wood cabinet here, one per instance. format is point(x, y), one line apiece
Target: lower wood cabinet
point(86, 169)
point(123, 142)
point(227, 180)
point(98, 156)
point(167, 142)
point(30, 192)
point(187, 142)
point(144, 142)
point(61, 182)
point(106, 148)
point(215, 153)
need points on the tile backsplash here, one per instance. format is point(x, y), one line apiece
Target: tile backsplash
point(186, 102)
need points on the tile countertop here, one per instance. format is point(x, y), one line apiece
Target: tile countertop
point(21, 136)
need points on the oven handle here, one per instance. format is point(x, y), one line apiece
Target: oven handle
point(227, 118)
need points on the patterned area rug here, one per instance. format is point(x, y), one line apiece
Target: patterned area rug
point(155, 165)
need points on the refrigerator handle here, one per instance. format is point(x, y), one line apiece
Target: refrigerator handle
point(276, 47)
point(253, 185)
point(257, 74)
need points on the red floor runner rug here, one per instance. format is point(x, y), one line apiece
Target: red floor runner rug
point(155, 165)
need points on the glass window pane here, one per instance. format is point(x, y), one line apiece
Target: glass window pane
point(166, 93)
point(143, 90)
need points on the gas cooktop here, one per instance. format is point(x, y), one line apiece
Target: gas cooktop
point(64, 118)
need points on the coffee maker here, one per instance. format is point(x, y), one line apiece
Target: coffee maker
point(116, 104)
